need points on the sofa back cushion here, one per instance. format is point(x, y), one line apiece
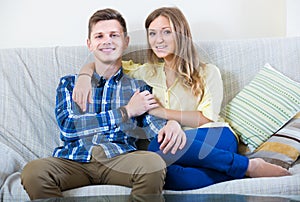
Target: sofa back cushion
point(29, 77)
point(28, 80)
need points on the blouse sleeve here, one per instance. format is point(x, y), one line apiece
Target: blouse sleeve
point(211, 102)
point(136, 70)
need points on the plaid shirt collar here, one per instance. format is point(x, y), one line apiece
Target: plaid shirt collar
point(100, 80)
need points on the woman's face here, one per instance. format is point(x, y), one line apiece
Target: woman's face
point(162, 38)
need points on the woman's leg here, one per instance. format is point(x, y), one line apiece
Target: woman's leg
point(219, 137)
point(187, 178)
point(218, 153)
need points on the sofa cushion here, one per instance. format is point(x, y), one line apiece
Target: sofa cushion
point(10, 163)
point(268, 102)
point(283, 147)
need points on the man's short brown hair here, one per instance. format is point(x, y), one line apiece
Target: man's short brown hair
point(106, 14)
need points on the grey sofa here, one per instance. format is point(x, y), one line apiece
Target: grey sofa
point(28, 130)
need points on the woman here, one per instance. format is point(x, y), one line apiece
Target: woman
point(175, 73)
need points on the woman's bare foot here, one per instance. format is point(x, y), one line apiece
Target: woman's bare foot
point(260, 168)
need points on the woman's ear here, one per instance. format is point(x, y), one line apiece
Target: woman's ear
point(127, 39)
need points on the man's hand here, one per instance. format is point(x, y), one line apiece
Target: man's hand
point(82, 92)
point(140, 103)
point(171, 136)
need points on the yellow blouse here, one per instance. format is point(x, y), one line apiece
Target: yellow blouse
point(178, 97)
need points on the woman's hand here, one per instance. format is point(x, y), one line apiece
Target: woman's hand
point(82, 91)
point(171, 136)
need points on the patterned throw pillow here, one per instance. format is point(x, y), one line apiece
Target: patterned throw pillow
point(265, 105)
point(283, 147)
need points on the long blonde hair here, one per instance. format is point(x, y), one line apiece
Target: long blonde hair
point(186, 59)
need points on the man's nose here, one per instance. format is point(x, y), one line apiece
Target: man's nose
point(107, 39)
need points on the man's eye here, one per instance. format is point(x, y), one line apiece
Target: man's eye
point(115, 35)
point(99, 36)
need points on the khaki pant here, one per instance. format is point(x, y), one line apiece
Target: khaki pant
point(144, 171)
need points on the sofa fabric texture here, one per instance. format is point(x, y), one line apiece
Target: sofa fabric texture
point(28, 129)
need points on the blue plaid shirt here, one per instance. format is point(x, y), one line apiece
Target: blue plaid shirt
point(102, 123)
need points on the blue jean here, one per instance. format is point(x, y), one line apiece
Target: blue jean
point(210, 156)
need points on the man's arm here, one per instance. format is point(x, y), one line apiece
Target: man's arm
point(72, 122)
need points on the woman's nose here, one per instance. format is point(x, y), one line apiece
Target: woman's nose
point(160, 37)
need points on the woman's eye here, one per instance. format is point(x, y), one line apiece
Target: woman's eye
point(151, 33)
point(167, 32)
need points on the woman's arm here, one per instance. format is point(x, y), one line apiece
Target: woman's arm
point(82, 92)
point(83, 89)
point(89, 69)
point(193, 119)
point(207, 110)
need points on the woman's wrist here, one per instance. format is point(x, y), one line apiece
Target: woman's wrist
point(159, 112)
point(84, 74)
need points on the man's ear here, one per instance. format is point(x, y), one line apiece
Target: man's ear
point(88, 43)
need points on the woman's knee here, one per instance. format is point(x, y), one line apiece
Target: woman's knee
point(153, 145)
point(222, 138)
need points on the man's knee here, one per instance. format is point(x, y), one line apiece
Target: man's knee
point(152, 163)
point(32, 172)
point(150, 180)
point(34, 176)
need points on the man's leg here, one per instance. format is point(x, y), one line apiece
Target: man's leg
point(144, 171)
point(48, 177)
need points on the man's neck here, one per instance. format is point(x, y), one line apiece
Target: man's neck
point(107, 70)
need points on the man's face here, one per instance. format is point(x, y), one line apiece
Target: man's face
point(107, 41)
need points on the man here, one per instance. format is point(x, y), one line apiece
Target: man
point(99, 144)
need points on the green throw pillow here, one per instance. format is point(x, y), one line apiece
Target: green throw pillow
point(266, 104)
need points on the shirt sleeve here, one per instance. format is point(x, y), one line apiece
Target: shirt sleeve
point(152, 125)
point(148, 123)
point(137, 70)
point(211, 102)
point(73, 123)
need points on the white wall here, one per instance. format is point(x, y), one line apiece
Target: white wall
point(293, 18)
point(36, 23)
